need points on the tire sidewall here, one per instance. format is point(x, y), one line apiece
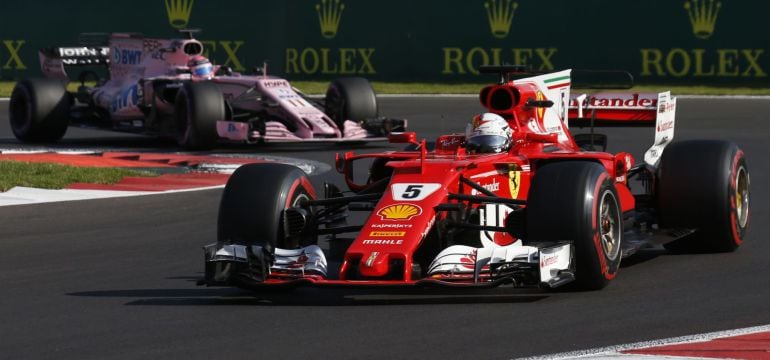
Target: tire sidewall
point(46, 105)
point(253, 201)
point(696, 189)
point(350, 99)
point(738, 231)
point(563, 204)
point(21, 96)
point(595, 261)
point(198, 106)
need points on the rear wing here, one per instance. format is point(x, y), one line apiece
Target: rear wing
point(53, 60)
point(92, 50)
point(628, 109)
point(614, 109)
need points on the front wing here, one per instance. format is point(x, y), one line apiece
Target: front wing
point(255, 267)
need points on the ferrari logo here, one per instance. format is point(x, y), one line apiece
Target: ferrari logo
point(540, 110)
point(514, 181)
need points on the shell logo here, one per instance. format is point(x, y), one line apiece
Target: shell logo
point(399, 212)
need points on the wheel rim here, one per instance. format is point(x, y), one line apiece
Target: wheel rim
point(299, 199)
point(609, 225)
point(742, 196)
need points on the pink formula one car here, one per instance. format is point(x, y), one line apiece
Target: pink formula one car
point(165, 87)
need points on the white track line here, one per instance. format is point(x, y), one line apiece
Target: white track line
point(614, 351)
point(20, 195)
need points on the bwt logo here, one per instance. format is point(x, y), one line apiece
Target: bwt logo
point(126, 56)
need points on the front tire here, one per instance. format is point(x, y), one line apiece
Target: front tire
point(39, 110)
point(577, 201)
point(197, 108)
point(704, 185)
point(350, 99)
point(253, 201)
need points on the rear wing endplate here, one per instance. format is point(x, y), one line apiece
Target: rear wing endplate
point(664, 127)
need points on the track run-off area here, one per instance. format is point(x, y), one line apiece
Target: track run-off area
point(116, 278)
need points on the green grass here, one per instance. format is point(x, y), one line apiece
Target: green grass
point(56, 176)
point(319, 87)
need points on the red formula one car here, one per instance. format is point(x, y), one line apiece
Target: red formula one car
point(165, 87)
point(544, 212)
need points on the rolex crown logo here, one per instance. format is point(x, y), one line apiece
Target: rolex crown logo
point(178, 12)
point(500, 14)
point(703, 16)
point(329, 16)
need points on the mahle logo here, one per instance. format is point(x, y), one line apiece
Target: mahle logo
point(178, 12)
point(500, 15)
point(329, 16)
point(703, 16)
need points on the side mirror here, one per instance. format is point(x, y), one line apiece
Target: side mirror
point(403, 138)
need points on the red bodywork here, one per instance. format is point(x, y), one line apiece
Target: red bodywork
point(401, 226)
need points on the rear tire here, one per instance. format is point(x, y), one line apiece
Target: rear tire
point(253, 201)
point(577, 201)
point(39, 110)
point(704, 184)
point(350, 99)
point(197, 108)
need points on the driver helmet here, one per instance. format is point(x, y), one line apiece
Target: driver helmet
point(488, 133)
point(200, 67)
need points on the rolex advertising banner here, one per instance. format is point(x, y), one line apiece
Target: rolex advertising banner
point(658, 41)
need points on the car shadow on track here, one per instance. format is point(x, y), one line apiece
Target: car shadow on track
point(212, 296)
point(643, 256)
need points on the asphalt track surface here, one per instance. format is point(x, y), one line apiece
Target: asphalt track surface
point(115, 278)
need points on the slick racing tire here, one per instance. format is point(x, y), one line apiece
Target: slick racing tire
point(704, 185)
point(251, 209)
point(350, 99)
point(39, 110)
point(197, 108)
point(577, 201)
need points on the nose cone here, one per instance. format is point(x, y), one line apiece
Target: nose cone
point(375, 264)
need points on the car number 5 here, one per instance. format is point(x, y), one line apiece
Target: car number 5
point(412, 191)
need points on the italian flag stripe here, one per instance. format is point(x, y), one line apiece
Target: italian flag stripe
point(556, 86)
point(557, 82)
point(548, 81)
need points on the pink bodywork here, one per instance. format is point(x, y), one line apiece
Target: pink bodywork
point(137, 63)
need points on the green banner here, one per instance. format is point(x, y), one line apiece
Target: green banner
point(659, 41)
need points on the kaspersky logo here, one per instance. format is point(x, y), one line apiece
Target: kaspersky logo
point(329, 17)
point(178, 12)
point(500, 15)
point(703, 16)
